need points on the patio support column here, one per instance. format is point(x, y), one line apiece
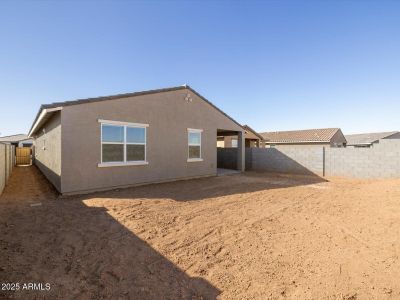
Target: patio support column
point(241, 152)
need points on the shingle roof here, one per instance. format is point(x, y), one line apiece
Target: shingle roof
point(367, 138)
point(119, 96)
point(14, 138)
point(300, 136)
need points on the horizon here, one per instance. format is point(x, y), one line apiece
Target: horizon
point(275, 66)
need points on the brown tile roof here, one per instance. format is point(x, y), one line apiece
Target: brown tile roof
point(300, 136)
point(252, 133)
point(367, 138)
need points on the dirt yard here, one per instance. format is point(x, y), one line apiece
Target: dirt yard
point(246, 236)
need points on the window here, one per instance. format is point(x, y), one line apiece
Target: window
point(234, 143)
point(194, 145)
point(122, 143)
point(135, 144)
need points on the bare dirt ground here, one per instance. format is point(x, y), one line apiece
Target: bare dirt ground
point(247, 236)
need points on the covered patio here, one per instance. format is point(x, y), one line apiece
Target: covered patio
point(231, 158)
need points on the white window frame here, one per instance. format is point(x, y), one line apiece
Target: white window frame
point(237, 142)
point(125, 125)
point(191, 130)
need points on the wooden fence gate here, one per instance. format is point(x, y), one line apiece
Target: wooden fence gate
point(23, 156)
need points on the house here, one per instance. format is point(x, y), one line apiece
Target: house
point(130, 139)
point(252, 139)
point(17, 140)
point(367, 140)
point(331, 137)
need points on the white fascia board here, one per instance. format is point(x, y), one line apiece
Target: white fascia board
point(41, 117)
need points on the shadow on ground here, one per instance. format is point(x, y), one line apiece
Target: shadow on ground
point(213, 187)
point(82, 251)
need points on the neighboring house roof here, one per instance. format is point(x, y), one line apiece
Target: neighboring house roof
point(14, 138)
point(301, 136)
point(367, 138)
point(46, 109)
point(250, 130)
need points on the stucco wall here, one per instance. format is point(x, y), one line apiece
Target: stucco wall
point(169, 116)
point(380, 161)
point(7, 161)
point(338, 139)
point(228, 141)
point(48, 150)
point(248, 142)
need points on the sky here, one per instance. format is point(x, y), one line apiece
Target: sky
point(274, 65)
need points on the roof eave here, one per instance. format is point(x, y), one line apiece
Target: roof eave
point(247, 127)
point(355, 144)
point(43, 116)
point(49, 108)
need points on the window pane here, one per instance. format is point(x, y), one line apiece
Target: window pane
point(112, 133)
point(113, 152)
point(135, 152)
point(135, 135)
point(194, 151)
point(234, 143)
point(194, 138)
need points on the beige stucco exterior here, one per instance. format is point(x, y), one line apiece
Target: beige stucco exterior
point(250, 142)
point(48, 150)
point(168, 114)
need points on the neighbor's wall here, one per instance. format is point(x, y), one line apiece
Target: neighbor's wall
point(380, 161)
point(296, 146)
point(48, 150)
point(7, 162)
point(248, 143)
point(228, 141)
point(338, 139)
point(169, 116)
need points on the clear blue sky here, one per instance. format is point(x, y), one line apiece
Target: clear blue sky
point(275, 65)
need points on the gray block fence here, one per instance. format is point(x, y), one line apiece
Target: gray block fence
point(227, 158)
point(7, 162)
point(380, 161)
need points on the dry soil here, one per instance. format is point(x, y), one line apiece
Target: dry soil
point(246, 236)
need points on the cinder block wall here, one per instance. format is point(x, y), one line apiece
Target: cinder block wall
point(249, 158)
point(297, 160)
point(227, 158)
point(6, 164)
point(380, 161)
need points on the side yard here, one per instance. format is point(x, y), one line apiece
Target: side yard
point(6, 164)
point(246, 236)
